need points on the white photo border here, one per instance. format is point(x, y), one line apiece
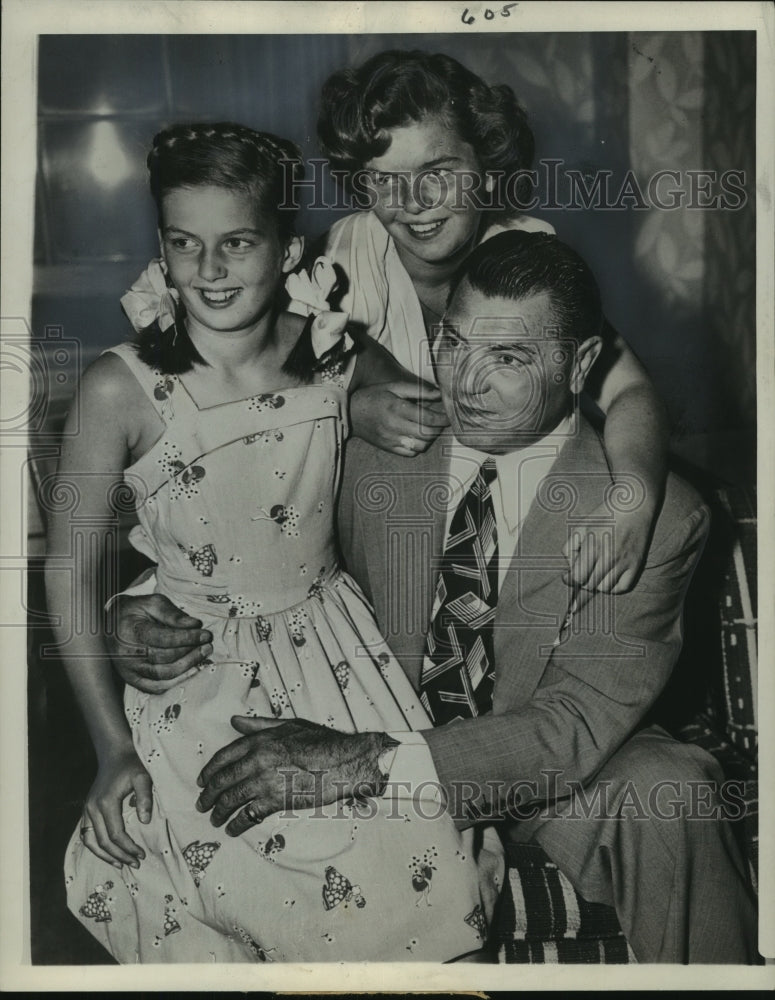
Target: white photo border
point(23, 22)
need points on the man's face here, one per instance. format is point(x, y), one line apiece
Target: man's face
point(504, 374)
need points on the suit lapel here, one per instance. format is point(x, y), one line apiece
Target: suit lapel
point(399, 510)
point(534, 600)
point(401, 505)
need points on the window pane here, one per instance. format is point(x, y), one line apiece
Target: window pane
point(204, 78)
point(101, 74)
point(98, 200)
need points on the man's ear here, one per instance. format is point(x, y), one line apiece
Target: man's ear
point(293, 253)
point(586, 355)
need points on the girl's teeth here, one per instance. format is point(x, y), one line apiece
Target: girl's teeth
point(219, 296)
point(426, 227)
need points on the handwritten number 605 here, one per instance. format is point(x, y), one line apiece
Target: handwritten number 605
point(505, 11)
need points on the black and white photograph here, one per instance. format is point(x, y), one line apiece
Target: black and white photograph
point(387, 494)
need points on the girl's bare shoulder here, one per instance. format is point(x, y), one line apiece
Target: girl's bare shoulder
point(109, 376)
point(109, 384)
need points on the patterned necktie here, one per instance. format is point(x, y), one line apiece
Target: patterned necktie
point(458, 669)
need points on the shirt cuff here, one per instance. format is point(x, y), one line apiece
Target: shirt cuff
point(144, 585)
point(410, 770)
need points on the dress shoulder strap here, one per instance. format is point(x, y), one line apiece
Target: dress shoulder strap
point(156, 386)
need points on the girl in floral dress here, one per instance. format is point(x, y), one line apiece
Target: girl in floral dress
point(229, 434)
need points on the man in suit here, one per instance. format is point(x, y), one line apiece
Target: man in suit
point(537, 694)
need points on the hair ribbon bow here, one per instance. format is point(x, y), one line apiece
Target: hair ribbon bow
point(150, 299)
point(309, 297)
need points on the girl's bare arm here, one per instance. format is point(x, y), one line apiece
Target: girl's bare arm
point(636, 439)
point(80, 576)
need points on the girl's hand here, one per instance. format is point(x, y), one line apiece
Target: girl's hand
point(401, 417)
point(609, 556)
point(102, 826)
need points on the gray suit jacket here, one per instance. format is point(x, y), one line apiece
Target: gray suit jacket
point(566, 707)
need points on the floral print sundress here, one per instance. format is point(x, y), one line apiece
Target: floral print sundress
point(236, 504)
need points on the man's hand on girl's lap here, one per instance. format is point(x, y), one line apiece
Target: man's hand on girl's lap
point(153, 645)
point(283, 764)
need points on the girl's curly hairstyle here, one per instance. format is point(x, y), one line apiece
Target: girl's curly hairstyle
point(359, 106)
point(230, 156)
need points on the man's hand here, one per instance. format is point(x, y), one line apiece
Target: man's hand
point(286, 764)
point(402, 417)
point(153, 644)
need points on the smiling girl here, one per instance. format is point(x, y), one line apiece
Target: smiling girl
point(232, 457)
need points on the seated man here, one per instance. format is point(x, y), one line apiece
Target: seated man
point(537, 694)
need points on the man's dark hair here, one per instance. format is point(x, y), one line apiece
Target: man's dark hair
point(518, 264)
point(360, 105)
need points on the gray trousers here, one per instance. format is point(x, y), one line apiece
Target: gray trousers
point(672, 870)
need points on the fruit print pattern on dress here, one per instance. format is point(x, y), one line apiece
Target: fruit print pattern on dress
point(279, 701)
point(284, 515)
point(422, 869)
point(339, 890)
point(316, 587)
point(164, 387)
point(266, 401)
point(167, 719)
point(96, 906)
point(198, 856)
point(250, 670)
point(203, 559)
point(342, 674)
point(269, 849)
point(184, 478)
point(171, 925)
point(263, 629)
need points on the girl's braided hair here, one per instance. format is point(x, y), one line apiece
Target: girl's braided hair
point(227, 155)
point(224, 154)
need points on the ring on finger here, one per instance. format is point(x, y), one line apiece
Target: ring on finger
point(84, 830)
point(251, 812)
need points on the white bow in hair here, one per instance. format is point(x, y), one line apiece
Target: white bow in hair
point(309, 297)
point(150, 299)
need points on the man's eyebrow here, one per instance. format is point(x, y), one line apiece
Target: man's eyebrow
point(517, 346)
